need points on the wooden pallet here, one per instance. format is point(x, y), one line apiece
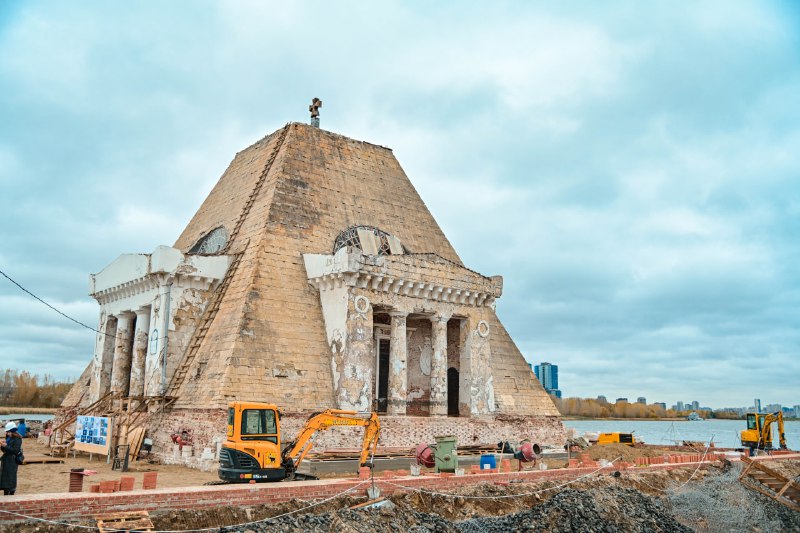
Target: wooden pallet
point(130, 521)
point(41, 460)
point(770, 483)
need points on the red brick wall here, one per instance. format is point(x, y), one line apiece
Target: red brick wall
point(85, 505)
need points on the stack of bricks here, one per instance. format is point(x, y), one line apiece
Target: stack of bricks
point(149, 480)
point(126, 483)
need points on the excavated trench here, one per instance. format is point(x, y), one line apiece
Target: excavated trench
point(668, 501)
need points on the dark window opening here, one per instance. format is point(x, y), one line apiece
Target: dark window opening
point(452, 392)
point(383, 375)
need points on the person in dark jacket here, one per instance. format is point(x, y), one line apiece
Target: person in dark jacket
point(8, 461)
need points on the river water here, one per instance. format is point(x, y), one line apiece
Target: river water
point(17, 416)
point(724, 432)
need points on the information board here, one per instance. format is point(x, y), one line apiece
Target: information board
point(93, 434)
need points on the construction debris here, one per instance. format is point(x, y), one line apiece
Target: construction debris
point(770, 482)
point(119, 522)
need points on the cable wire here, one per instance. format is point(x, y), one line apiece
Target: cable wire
point(199, 530)
point(502, 496)
point(23, 289)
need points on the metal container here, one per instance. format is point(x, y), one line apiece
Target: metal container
point(445, 454)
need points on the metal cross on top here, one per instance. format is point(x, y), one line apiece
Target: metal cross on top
point(316, 103)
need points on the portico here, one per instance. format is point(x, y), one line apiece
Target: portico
point(140, 297)
point(428, 319)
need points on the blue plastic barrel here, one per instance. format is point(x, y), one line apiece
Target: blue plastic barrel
point(488, 461)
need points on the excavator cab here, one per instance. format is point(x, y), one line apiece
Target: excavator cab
point(252, 449)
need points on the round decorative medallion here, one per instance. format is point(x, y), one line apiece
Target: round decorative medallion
point(483, 328)
point(361, 304)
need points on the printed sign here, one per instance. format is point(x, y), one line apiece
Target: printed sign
point(93, 434)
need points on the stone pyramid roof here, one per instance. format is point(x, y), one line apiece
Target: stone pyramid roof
point(290, 194)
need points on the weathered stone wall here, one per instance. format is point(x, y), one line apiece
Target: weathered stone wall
point(207, 428)
point(268, 340)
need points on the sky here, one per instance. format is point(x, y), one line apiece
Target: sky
point(631, 169)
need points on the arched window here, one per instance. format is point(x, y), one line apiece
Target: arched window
point(211, 243)
point(349, 237)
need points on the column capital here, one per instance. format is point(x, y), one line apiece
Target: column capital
point(441, 318)
point(144, 310)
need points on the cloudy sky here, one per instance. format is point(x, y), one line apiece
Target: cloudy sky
point(632, 171)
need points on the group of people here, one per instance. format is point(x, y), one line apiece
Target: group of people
point(12, 450)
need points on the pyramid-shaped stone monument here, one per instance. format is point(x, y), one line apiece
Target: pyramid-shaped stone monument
point(313, 276)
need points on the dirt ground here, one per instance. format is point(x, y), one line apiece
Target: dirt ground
point(709, 499)
point(49, 478)
point(53, 478)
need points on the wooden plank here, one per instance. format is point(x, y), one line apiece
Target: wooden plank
point(770, 483)
point(123, 515)
point(42, 460)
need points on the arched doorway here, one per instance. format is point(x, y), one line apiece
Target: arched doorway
point(452, 392)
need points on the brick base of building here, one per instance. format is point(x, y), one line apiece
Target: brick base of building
point(205, 430)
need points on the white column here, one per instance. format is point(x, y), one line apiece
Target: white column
point(438, 398)
point(140, 348)
point(398, 372)
point(103, 360)
point(121, 372)
point(156, 351)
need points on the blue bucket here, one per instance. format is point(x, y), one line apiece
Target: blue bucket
point(488, 461)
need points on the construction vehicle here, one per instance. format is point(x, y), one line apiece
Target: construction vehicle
point(616, 438)
point(252, 450)
point(758, 435)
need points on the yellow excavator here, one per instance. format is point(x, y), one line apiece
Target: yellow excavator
point(252, 450)
point(758, 434)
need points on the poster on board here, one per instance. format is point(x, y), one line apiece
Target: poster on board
point(93, 434)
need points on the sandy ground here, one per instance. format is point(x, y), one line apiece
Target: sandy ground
point(54, 477)
point(50, 478)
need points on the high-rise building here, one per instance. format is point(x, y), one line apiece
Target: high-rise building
point(547, 374)
point(641, 399)
point(619, 400)
point(695, 405)
point(797, 411)
point(679, 406)
point(773, 408)
point(661, 405)
point(602, 399)
point(757, 405)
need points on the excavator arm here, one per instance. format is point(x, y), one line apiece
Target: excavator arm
point(294, 452)
point(768, 420)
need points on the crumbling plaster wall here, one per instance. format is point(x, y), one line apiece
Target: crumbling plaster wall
point(396, 431)
point(420, 354)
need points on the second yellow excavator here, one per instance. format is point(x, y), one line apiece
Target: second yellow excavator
point(252, 450)
point(758, 434)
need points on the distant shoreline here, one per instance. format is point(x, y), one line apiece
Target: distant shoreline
point(671, 419)
point(28, 410)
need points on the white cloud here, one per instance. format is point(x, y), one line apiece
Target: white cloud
point(630, 171)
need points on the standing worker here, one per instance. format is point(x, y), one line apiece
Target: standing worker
point(8, 462)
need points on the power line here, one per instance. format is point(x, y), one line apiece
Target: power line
point(23, 289)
